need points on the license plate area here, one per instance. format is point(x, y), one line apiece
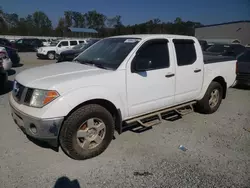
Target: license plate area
point(18, 120)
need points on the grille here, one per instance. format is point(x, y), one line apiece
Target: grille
point(28, 95)
point(22, 94)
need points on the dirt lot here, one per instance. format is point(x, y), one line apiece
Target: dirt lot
point(218, 152)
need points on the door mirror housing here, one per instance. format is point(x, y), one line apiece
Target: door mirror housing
point(140, 64)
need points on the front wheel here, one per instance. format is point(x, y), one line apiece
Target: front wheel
point(211, 100)
point(87, 132)
point(51, 55)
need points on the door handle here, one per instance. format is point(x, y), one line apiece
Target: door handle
point(169, 75)
point(197, 70)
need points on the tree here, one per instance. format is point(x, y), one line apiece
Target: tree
point(4, 23)
point(68, 18)
point(42, 23)
point(95, 20)
point(60, 27)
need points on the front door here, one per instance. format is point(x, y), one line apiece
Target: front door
point(150, 78)
point(62, 46)
point(189, 70)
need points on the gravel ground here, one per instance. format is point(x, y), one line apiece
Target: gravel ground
point(218, 152)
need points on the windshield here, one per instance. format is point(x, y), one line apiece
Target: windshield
point(245, 56)
point(217, 48)
point(108, 53)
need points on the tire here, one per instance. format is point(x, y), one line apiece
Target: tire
point(68, 138)
point(51, 55)
point(204, 105)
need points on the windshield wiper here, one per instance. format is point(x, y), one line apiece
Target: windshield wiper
point(90, 62)
point(99, 65)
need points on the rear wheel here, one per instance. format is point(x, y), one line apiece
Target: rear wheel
point(87, 132)
point(212, 99)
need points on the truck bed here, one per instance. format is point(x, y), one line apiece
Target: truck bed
point(216, 59)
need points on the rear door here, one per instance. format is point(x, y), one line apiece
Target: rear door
point(189, 70)
point(72, 43)
point(152, 87)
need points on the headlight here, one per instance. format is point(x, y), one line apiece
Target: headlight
point(41, 98)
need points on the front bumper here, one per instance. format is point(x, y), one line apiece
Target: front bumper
point(39, 55)
point(41, 129)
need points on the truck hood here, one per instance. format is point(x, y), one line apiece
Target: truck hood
point(47, 77)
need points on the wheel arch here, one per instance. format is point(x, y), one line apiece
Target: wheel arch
point(51, 51)
point(115, 112)
point(223, 83)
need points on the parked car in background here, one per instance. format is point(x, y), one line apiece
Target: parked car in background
point(28, 44)
point(248, 46)
point(117, 82)
point(45, 42)
point(49, 52)
point(243, 68)
point(6, 61)
point(11, 50)
point(69, 55)
point(3, 77)
point(225, 50)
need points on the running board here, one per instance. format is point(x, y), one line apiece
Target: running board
point(155, 118)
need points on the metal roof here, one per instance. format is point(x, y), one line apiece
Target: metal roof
point(82, 30)
point(226, 23)
point(222, 41)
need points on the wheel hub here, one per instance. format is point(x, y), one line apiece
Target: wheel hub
point(91, 132)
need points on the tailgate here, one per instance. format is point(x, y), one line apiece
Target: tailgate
point(243, 67)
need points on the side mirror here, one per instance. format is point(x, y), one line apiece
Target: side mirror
point(59, 46)
point(141, 64)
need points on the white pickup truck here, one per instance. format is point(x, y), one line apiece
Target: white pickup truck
point(117, 82)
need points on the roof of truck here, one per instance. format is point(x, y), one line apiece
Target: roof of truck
point(146, 36)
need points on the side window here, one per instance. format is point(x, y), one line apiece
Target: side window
point(153, 55)
point(185, 51)
point(20, 41)
point(64, 43)
point(81, 41)
point(73, 43)
point(26, 41)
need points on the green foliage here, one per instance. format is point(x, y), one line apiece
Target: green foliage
point(40, 25)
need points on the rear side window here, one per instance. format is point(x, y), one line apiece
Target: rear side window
point(185, 51)
point(73, 43)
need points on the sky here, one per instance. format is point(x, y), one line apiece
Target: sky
point(137, 11)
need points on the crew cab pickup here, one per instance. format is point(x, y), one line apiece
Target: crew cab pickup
point(118, 82)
